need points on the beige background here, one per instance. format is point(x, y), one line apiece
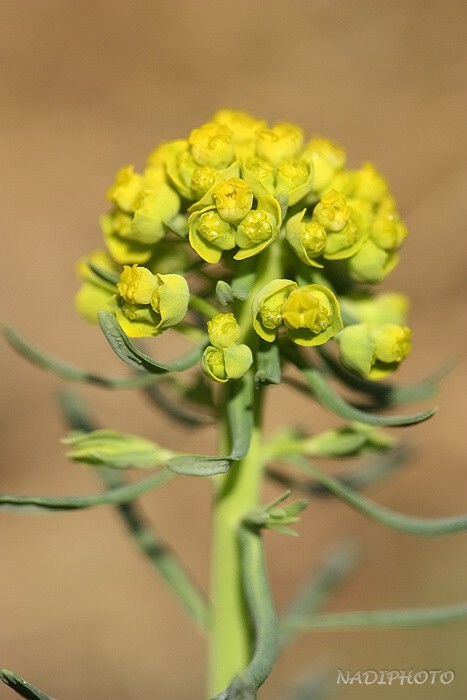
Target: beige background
point(89, 85)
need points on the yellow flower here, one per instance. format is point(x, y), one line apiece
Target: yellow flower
point(126, 188)
point(233, 199)
point(267, 307)
point(326, 159)
point(280, 142)
point(137, 284)
point(312, 315)
point(147, 304)
point(223, 330)
point(332, 211)
point(209, 234)
point(211, 144)
point(244, 128)
point(308, 239)
point(259, 228)
point(294, 176)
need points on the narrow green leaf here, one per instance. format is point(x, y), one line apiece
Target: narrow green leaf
point(113, 497)
point(411, 617)
point(413, 525)
point(239, 409)
point(335, 568)
point(159, 554)
point(129, 353)
point(175, 409)
point(268, 364)
point(22, 687)
point(335, 403)
point(71, 372)
point(261, 606)
point(105, 275)
point(363, 476)
point(198, 465)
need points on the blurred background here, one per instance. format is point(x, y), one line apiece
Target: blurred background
point(90, 85)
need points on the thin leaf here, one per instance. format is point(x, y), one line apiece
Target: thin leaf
point(113, 497)
point(22, 687)
point(198, 465)
point(363, 476)
point(335, 568)
point(413, 525)
point(106, 275)
point(411, 617)
point(239, 409)
point(175, 409)
point(161, 557)
point(132, 356)
point(335, 403)
point(260, 604)
point(268, 364)
point(71, 372)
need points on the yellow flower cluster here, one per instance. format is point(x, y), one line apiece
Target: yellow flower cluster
point(252, 199)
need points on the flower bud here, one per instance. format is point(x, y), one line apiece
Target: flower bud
point(326, 159)
point(369, 184)
point(222, 364)
point(116, 227)
point(267, 307)
point(244, 128)
point(211, 144)
point(332, 211)
point(137, 284)
point(259, 228)
point(279, 143)
point(126, 188)
point(233, 199)
point(223, 330)
point(388, 231)
point(259, 174)
point(153, 209)
point(147, 304)
point(373, 352)
point(308, 239)
point(209, 234)
point(294, 176)
point(111, 449)
point(312, 315)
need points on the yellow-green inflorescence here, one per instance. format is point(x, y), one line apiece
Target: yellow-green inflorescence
point(298, 238)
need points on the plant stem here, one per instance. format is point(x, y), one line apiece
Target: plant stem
point(237, 493)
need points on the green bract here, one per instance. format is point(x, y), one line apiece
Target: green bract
point(374, 352)
point(111, 449)
point(224, 363)
point(308, 239)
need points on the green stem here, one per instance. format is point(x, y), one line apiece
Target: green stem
point(237, 493)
